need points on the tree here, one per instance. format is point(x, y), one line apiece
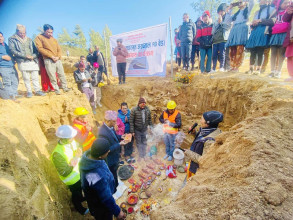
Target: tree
point(64, 38)
point(96, 39)
point(107, 33)
point(79, 39)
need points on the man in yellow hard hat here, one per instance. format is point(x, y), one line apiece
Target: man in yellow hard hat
point(84, 136)
point(171, 118)
point(65, 158)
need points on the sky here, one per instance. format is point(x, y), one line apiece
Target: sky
point(120, 16)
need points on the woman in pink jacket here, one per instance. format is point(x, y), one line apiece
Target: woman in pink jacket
point(120, 52)
point(288, 42)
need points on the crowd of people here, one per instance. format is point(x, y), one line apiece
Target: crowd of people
point(43, 57)
point(88, 163)
point(226, 40)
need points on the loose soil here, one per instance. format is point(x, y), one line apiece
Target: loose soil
point(246, 174)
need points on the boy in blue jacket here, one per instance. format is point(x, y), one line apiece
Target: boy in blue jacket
point(124, 115)
point(98, 182)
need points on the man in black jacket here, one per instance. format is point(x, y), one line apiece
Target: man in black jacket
point(140, 119)
point(186, 35)
point(99, 58)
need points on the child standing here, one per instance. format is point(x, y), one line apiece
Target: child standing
point(239, 33)
point(259, 39)
point(204, 35)
point(221, 30)
point(288, 43)
point(279, 31)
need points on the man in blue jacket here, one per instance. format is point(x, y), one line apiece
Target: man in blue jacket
point(124, 115)
point(98, 183)
point(107, 131)
point(186, 35)
point(7, 71)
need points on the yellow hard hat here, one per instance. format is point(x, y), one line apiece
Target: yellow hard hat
point(81, 111)
point(171, 105)
point(101, 84)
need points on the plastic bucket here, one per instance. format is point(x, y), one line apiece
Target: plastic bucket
point(178, 157)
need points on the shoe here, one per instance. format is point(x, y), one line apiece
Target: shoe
point(99, 104)
point(129, 161)
point(250, 71)
point(271, 74)
point(86, 211)
point(57, 92)
point(277, 74)
point(40, 93)
point(170, 158)
point(188, 68)
point(165, 157)
point(121, 162)
point(222, 70)
point(66, 90)
point(256, 72)
point(212, 71)
point(17, 96)
point(133, 160)
point(29, 95)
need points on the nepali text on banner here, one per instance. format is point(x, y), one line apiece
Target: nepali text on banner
point(147, 51)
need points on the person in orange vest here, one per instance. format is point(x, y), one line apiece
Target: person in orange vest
point(84, 136)
point(171, 118)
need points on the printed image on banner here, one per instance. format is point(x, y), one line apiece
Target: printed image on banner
point(147, 51)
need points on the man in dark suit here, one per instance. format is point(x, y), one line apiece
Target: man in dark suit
point(107, 131)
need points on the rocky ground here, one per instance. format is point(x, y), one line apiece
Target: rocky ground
point(246, 174)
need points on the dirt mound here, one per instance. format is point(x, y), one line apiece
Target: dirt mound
point(29, 185)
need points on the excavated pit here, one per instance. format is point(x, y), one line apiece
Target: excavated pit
point(246, 174)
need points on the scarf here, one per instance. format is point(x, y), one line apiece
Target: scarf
point(22, 40)
point(203, 132)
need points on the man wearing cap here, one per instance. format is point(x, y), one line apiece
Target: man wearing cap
point(107, 131)
point(205, 137)
point(120, 52)
point(140, 119)
point(98, 183)
point(85, 136)
point(25, 54)
point(171, 118)
point(83, 79)
point(65, 158)
point(186, 35)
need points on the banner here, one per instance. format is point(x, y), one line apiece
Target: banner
point(147, 51)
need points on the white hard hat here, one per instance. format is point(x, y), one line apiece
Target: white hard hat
point(66, 131)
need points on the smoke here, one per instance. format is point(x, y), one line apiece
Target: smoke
point(156, 136)
point(179, 139)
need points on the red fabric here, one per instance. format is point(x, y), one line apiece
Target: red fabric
point(45, 80)
point(207, 13)
point(206, 31)
point(290, 66)
point(121, 126)
point(287, 18)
